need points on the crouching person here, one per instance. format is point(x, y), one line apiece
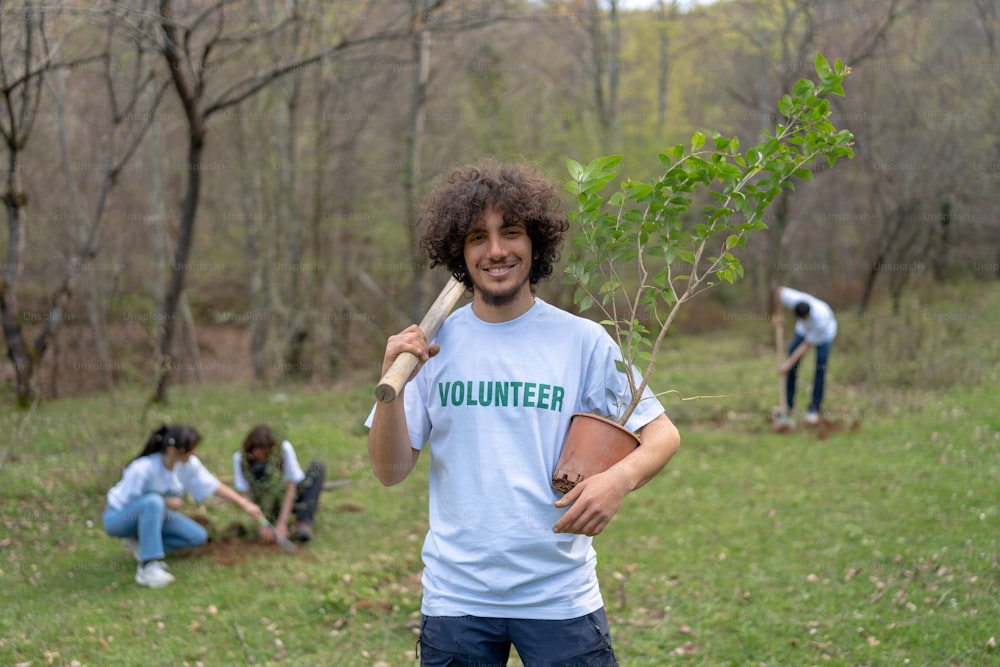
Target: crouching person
point(269, 474)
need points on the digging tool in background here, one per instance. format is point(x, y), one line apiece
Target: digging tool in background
point(397, 375)
point(286, 544)
point(779, 415)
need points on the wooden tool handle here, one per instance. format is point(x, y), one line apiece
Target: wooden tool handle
point(397, 375)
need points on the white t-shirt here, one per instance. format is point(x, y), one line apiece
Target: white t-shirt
point(494, 406)
point(147, 474)
point(821, 326)
point(290, 467)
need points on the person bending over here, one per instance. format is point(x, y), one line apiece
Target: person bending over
point(815, 326)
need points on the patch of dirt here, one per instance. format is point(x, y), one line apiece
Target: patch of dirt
point(823, 430)
point(234, 544)
point(828, 427)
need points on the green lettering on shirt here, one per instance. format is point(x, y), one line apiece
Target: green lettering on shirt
point(543, 396)
point(443, 392)
point(529, 394)
point(472, 399)
point(501, 394)
point(557, 398)
point(457, 393)
point(487, 397)
point(517, 387)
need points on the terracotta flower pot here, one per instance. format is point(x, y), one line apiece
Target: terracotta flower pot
point(593, 444)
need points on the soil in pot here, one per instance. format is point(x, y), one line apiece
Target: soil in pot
point(593, 444)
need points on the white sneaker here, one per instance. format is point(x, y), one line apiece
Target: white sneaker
point(812, 417)
point(154, 574)
point(132, 545)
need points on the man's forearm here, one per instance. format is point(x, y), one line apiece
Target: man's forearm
point(659, 441)
point(291, 489)
point(392, 457)
point(799, 352)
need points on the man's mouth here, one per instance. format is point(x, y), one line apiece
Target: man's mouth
point(499, 269)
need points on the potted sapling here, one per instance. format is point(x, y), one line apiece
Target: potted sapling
point(639, 254)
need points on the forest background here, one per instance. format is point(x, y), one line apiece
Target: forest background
point(206, 190)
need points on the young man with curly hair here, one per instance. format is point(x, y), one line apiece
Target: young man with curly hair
point(507, 559)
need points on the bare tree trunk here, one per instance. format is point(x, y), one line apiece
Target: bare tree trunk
point(20, 102)
point(190, 337)
point(421, 44)
point(605, 50)
point(182, 254)
point(156, 213)
point(189, 68)
point(189, 206)
point(664, 16)
point(941, 248)
point(17, 348)
point(250, 186)
point(95, 315)
point(870, 279)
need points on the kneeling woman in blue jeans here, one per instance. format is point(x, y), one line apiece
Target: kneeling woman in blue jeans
point(143, 506)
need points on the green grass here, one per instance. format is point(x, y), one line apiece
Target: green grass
point(873, 546)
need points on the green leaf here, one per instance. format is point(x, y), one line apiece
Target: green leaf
point(697, 141)
point(785, 106)
point(732, 240)
point(823, 70)
point(609, 162)
point(637, 190)
point(575, 169)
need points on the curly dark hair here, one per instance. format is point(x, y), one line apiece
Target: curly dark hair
point(517, 190)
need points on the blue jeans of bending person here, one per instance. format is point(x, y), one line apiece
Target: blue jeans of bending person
point(472, 641)
point(822, 354)
point(158, 529)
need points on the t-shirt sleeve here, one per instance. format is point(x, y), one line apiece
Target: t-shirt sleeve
point(131, 485)
point(197, 480)
point(417, 417)
point(608, 389)
point(791, 297)
point(293, 471)
point(239, 481)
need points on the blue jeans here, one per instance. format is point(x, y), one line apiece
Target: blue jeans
point(822, 354)
point(157, 528)
point(470, 641)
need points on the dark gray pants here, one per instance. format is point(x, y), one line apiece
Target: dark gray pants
point(309, 491)
point(471, 641)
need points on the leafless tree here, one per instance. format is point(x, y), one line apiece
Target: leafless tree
point(781, 56)
point(132, 101)
point(199, 49)
point(27, 55)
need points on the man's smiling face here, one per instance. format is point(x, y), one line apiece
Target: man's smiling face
point(498, 257)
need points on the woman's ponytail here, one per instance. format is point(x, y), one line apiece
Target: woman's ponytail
point(184, 438)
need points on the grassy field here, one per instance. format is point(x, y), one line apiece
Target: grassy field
point(876, 543)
